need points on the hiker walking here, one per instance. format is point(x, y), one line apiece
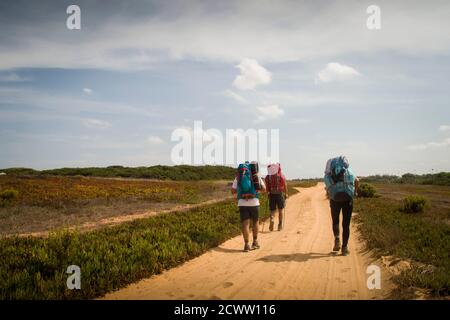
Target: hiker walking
point(341, 186)
point(277, 188)
point(247, 185)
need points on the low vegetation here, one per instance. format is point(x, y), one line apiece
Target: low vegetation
point(8, 196)
point(54, 191)
point(441, 179)
point(177, 173)
point(414, 204)
point(41, 203)
point(110, 258)
point(366, 190)
point(423, 239)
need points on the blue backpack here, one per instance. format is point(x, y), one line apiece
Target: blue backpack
point(245, 187)
point(340, 180)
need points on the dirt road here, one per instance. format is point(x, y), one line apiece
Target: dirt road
point(296, 263)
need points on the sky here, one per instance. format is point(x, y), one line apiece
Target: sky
point(113, 92)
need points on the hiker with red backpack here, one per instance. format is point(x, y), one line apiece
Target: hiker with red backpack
point(277, 189)
point(247, 185)
point(341, 186)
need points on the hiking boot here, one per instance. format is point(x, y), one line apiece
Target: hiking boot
point(337, 245)
point(280, 227)
point(255, 245)
point(271, 226)
point(345, 251)
point(246, 247)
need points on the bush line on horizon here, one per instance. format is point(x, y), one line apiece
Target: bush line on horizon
point(176, 173)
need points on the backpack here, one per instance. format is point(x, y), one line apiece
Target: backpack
point(245, 186)
point(338, 167)
point(275, 181)
point(339, 180)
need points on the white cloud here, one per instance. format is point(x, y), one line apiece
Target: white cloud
point(236, 97)
point(336, 72)
point(96, 124)
point(87, 90)
point(429, 145)
point(155, 140)
point(252, 75)
point(269, 112)
point(444, 128)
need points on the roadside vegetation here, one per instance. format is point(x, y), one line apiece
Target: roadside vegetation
point(414, 228)
point(111, 258)
point(366, 190)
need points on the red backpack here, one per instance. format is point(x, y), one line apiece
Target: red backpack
point(275, 182)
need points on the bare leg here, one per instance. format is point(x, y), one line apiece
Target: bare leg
point(272, 217)
point(280, 217)
point(245, 230)
point(255, 229)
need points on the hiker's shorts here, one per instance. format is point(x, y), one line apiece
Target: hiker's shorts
point(249, 213)
point(276, 200)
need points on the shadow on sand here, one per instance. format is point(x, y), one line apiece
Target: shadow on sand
point(226, 250)
point(298, 257)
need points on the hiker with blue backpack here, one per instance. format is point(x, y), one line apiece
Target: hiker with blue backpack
point(341, 186)
point(247, 185)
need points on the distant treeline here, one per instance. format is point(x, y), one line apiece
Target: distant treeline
point(442, 179)
point(181, 172)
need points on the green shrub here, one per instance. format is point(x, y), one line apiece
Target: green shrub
point(366, 190)
point(7, 196)
point(414, 204)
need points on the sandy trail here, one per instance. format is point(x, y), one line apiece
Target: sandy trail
point(296, 263)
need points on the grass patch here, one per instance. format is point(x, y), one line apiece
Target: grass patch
point(111, 258)
point(392, 232)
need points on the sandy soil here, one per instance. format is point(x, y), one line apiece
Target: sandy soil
point(296, 263)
